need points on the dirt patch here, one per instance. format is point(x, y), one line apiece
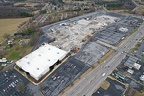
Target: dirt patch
point(105, 85)
point(118, 11)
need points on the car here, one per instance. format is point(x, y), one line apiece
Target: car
point(71, 65)
point(124, 52)
point(4, 90)
point(9, 62)
point(74, 66)
point(103, 74)
point(12, 85)
point(58, 77)
point(67, 65)
point(14, 75)
point(16, 81)
point(56, 74)
point(62, 81)
point(54, 78)
point(5, 74)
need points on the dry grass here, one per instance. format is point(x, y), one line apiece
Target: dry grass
point(139, 94)
point(36, 12)
point(19, 3)
point(31, 4)
point(9, 26)
point(105, 85)
point(140, 10)
point(26, 4)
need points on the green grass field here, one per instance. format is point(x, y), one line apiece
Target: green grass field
point(18, 52)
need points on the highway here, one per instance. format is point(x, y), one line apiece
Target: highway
point(87, 85)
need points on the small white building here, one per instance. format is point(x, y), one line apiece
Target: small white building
point(39, 62)
point(3, 60)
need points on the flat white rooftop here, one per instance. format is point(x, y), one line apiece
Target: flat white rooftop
point(38, 62)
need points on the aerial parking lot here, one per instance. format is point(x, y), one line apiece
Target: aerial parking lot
point(72, 68)
point(10, 82)
point(117, 31)
point(91, 52)
point(114, 89)
point(63, 76)
point(110, 37)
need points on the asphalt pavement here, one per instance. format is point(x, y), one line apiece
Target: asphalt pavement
point(92, 81)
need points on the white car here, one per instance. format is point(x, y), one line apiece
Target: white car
point(103, 74)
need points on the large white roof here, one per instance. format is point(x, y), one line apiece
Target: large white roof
point(38, 62)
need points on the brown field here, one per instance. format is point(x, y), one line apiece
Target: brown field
point(31, 4)
point(9, 25)
point(26, 4)
point(139, 94)
point(140, 10)
point(105, 85)
point(36, 12)
point(19, 3)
